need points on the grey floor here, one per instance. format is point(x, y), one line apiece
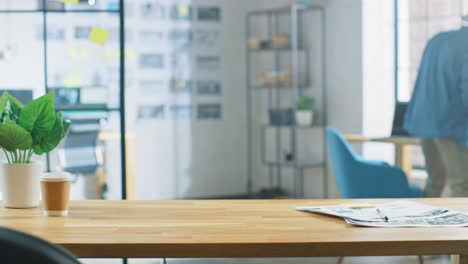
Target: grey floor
point(347, 260)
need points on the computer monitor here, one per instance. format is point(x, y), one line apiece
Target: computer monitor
point(398, 119)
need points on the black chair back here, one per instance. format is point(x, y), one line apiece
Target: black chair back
point(19, 247)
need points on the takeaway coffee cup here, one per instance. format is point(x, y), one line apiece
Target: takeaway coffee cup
point(55, 188)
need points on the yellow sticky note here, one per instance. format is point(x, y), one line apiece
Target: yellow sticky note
point(183, 10)
point(70, 1)
point(358, 205)
point(98, 35)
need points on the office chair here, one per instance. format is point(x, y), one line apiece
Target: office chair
point(79, 152)
point(357, 177)
point(81, 155)
point(19, 247)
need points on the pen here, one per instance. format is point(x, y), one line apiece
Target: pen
point(382, 215)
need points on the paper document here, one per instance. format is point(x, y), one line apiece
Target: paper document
point(394, 214)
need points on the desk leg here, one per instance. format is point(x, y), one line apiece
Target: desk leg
point(459, 259)
point(403, 158)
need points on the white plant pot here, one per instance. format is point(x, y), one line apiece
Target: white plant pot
point(304, 117)
point(20, 184)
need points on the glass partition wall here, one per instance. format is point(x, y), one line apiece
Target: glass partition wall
point(71, 48)
point(183, 81)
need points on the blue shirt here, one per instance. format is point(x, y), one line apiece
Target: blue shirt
point(439, 105)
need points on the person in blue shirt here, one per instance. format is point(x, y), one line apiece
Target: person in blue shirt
point(438, 112)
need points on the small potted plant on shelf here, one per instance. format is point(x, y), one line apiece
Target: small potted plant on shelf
point(35, 128)
point(304, 113)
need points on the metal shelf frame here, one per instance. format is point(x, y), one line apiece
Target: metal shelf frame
point(275, 168)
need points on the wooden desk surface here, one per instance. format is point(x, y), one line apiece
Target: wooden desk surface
point(393, 140)
point(266, 228)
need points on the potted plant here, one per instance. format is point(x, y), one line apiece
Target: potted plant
point(304, 110)
point(35, 128)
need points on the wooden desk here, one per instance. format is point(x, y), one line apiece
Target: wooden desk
point(229, 228)
point(402, 148)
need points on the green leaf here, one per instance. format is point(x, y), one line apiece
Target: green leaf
point(38, 117)
point(4, 101)
point(15, 105)
point(10, 107)
point(305, 103)
point(66, 126)
point(53, 139)
point(4, 109)
point(13, 137)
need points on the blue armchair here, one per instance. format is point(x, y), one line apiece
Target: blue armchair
point(357, 177)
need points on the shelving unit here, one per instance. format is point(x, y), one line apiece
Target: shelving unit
point(276, 94)
point(44, 10)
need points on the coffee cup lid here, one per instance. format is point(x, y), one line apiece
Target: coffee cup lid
point(56, 176)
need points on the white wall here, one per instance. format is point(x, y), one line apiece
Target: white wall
point(345, 93)
point(219, 152)
point(378, 76)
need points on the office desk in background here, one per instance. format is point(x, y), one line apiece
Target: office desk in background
point(130, 141)
point(403, 151)
point(230, 229)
